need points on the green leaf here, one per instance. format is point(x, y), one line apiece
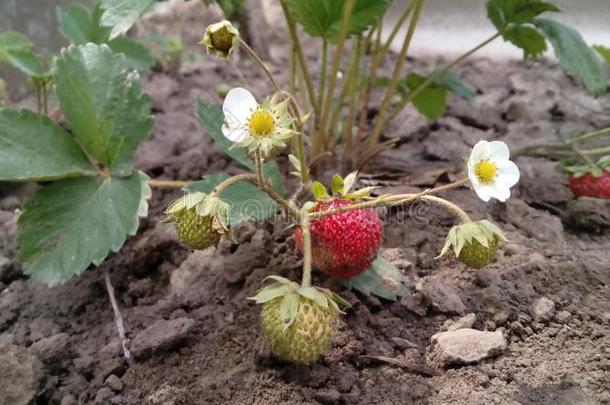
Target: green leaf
point(103, 103)
point(138, 55)
point(81, 27)
point(505, 12)
point(529, 39)
point(432, 101)
point(337, 185)
point(452, 82)
point(120, 15)
point(11, 40)
point(33, 148)
point(72, 223)
point(26, 62)
point(322, 18)
point(604, 52)
point(383, 279)
point(574, 55)
point(246, 201)
point(319, 191)
point(212, 118)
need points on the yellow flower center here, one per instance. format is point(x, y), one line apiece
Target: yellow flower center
point(261, 123)
point(222, 40)
point(485, 171)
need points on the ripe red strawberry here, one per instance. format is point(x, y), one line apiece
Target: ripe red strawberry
point(591, 186)
point(345, 244)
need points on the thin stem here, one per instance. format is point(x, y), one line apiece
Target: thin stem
point(306, 229)
point(596, 151)
point(436, 75)
point(222, 186)
point(118, 318)
point(45, 98)
point(387, 200)
point(38, 96)
point(167, 184)
point(252, 54)
point(351, 114)
point(301, 58)
point(322, 73)
point(259, 167)
point(396, 76)
point(589, 135)
point(326, 110)
point(460, 213)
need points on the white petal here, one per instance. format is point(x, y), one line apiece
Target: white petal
point(479, 152)
point(508, 172)
point(499, 191)
point(472, 176)
point(483, 191)
point(497, 150)
point(238, 106)
point(234, 133)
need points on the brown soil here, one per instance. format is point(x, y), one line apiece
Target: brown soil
point(206, 346)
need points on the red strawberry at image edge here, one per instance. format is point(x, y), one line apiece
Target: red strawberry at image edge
point(343, 245)
point(591, 186)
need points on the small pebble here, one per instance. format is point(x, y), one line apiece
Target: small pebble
point(114, 382)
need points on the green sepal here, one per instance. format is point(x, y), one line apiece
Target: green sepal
point(205, 206)
point(319, 191)
point(337, 185)
point(483, 231)
point(289, 308)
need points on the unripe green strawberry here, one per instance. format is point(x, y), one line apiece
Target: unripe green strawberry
point(308, 336)
point(475, 255)
point(474, 243)
point(195, 231)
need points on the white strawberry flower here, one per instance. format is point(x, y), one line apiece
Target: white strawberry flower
point(255, 126)
point(490, 171)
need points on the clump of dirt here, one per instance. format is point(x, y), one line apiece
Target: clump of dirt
point(197, 338)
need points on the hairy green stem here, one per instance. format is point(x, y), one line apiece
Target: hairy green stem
point(224, 185)
point(292, 27)
point(351, 114)
point(396, 76)
point(322, 73)
point(254, 56)
point(167, 184)
point(306, 229)
point(321, 135)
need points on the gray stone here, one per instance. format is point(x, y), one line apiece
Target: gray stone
point(21, 375)
point(68, 400)
point(464, 322)
point(543, 309)
point(114, 382)
point(588, 214)
point(160, 336)
point(327, 396)
point(443, 296)
point(563, 316)
point(104, 395)
point(53, 348)
point(464, 346)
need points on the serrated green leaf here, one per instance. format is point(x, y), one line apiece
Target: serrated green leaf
point(322, 18)
point(337, 185)
point(452, 82)
point(212, 118)
point(604, 52)
point(432, 101)
point(574, 56)
point(529, 39)
point(26, 61)
point(383, 279)
point(34, 148)
point(103, 104)
point(120, 15)
point(11, 40)
point(289, 308)
point(81, 26)
point(502, 13)
point(138, 55)
point(72, 223)
point(246, 201)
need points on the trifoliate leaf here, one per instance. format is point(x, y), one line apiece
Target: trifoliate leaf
point(72, 223)
point(138, 55)
point(502, 13)
point(574, 56)
point(120, 15)
point(432, 101)
point(322, 18)
point(103, 104)
point(529, 39)
point(34, 148)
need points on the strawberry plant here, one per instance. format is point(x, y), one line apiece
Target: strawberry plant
point(92, 196)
